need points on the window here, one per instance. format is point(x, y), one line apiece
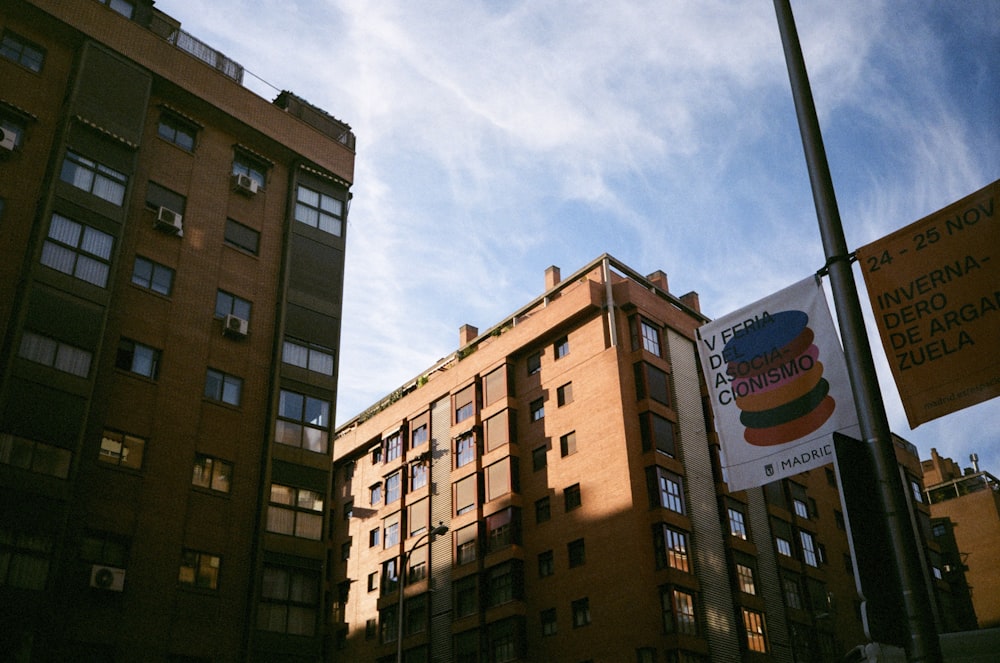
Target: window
point(504, 583)
point(375, 494)
point(647, 334)
point(418, 517)
point(503, 529)
point(415, 617)
point(548, 621)
point(581, 612)
point(374, 539)
point(178, 131)
point(345, 551)
point(916, 491)
point(808, 548)
point(303, 421)
point(92, 177)
point(801, 508)
point(34, 456)
point(241, 236)
point(122, 449)
point(393, 447)
point(25, 559)
point(745, 574)
point(20, 50)
point(387, 624)
point(645, 655)
point(576, 553)
point(495, 385)
point(564, 394)
point(465, 495)
point(465, 404)
point(418, 565)
point(152, 276)
point(466, 600)
point(100, 548)
point(678, 611)
point(123, 7)
point(753, 627)
point(567, 444)
point(348, 508)
point(534, 363)
point(665, 489)
point(138, 358)
point(212, 473)
point(504, 638)
point(309, 356)
point(319, 210)
point(465, 450)
point(227, 303)
point(737, 522)
point(289, 601)
point(657, 433)
point(793, 591)
point(571, 497)
point(546, 564)
point(390, 576)
point(255, 169)
point(223, 387)
point(78, 250)
point(419, 436)
point(543, 510)
point(296, 512)
point(651, 382)
point(465, 544)
point(537, 409)
point(418, 476)
point(502, 478)
point(199, 569)
point(55, 354)
point(538, 458)
point(561, 347)
point(373, 580)
point(671, 548)
point(393, 488)
point(782, 536)
point(497, 430)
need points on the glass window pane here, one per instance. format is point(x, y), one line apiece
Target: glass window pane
point(290, 405)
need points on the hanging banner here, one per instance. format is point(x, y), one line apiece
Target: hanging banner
point(778, 383)
point(934, 287)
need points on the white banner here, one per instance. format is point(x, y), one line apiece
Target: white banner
point(778, 383)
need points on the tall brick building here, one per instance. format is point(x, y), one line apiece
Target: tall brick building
point(170, 294)
point(569, 452)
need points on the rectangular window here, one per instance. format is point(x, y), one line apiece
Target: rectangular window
point(534, 363)
point(95, 178)
point(504, 640)
point(390, 529)
point(34, 456)
point(678, 611)
point(55, 354)
point(782, 536)
point(737, 522)
point(18, 49)
point(539, 459)
point(390, 576)
point(546, 564)
point(466, 540)
point(504, 583)
point(223, 387)
point(465, 495)
point(418, 476)
point(296, 512)
point(289, 601)
point(255, 169)
point(498, 430)
point(418, 517)
point(548, 621)
point(537, 409)
point(567, 444)
point(564, 394)
point(123, 7)
point(808, 548)
point(501, 478)
point(393, 447)
point(242, 237)
point(374, 539)
point(11, 129)
point(464, 404)
point(375, 494)
point(671, 548)
point(303, 421)
point(651, 382)
point(419, 436)
point(319, 210)
point(503, 529)
point(24, 559)
point(387, 624)
point(495, 386)
point(581, 612)
point(543, 510)
point(307, 355)
point(665, 489)
point(571, 496)
point(657, 433)
point(745, 573)
point(753, 627)
point(227, 303)
point(78, 250)
point(212, 473)
point(561, 347)
point(650, 337)
point(393, 488)
point(152, 276)
point(466, 600)
point(199, 569)
point(138, 358)
point(373, 580)
point(177, 130)
point(122, 449)
point(465, 450)
point(793, 591)
point(576, 553)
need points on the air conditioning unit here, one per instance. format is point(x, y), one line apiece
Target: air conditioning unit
point(8, 140)
point(235, 326)
point(169, 221)
point(245, 184)
point(108, 578)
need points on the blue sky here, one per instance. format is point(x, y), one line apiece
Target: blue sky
point(497, 138)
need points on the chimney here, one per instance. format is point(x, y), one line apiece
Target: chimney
point(659, 279)
point(465, 335)
point(552, 277)
point(691, 300)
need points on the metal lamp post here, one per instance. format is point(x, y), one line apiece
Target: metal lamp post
point(440, 529)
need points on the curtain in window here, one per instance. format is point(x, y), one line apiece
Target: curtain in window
point(91, 271)
point(38, 349)
point(281, 521)
point(72, 360)
point(295, 354)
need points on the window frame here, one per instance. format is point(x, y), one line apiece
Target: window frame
point(305, 519)
point(22, 51)
point(89, 266)
point(237, 234)
point(152, 282)
point(299, 431)
point(326, 220)
point(204, 569)
point(55, 354)
point(93, 177)
point(216, 474)
point(178, 131)
point(220, 386)
point(128, 444)
point(127, 352)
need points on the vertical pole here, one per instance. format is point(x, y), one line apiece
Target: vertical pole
point(922, 645)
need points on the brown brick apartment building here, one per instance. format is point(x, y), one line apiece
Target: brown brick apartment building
point(170, 293)
point(567, 450)
point(967, 505)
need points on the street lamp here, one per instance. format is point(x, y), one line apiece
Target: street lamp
point(434, 531)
